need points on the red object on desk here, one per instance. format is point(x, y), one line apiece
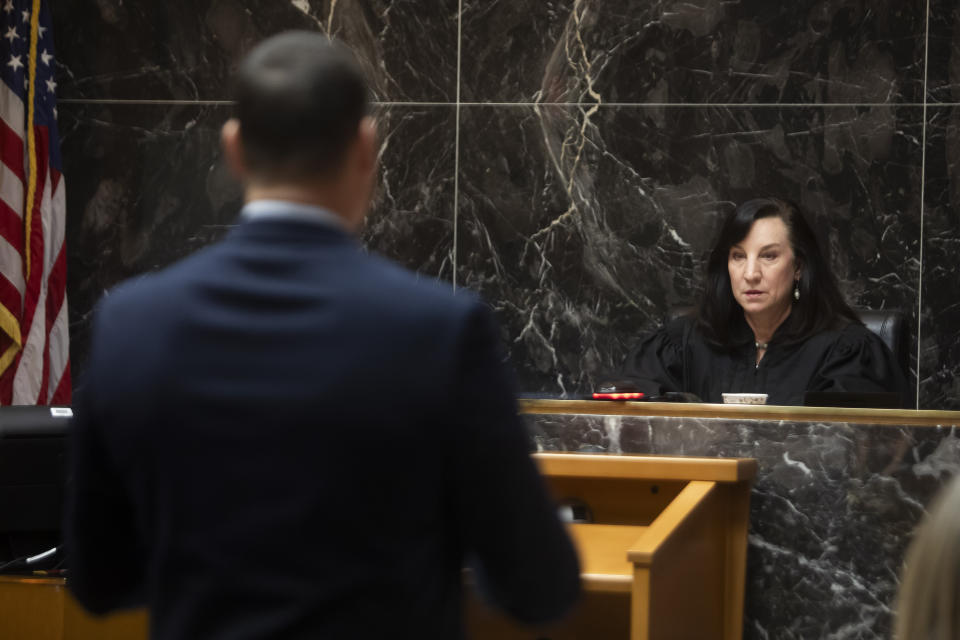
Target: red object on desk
point(623, 395)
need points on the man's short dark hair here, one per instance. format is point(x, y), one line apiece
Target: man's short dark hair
point(300, 99)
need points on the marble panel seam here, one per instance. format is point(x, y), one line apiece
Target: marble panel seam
point(923, 185)
point(456, 147)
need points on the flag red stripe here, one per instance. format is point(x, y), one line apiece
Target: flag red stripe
point(56, 304)
point(55, 177)
point(56, 287)
point(11, 150)
point(9, 297)
point(56, 292)
point(6, 379)
point(11, 227)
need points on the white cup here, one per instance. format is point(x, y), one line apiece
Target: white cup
point(744, 398)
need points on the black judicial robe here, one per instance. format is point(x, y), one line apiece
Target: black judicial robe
point(679, 358)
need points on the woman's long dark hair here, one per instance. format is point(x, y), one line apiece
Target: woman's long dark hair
point(821, 306)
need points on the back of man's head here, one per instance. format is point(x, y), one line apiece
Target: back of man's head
point(300, 100)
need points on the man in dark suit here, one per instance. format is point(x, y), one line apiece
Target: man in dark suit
point(282, 436)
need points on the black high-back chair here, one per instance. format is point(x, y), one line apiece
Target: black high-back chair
point(891, 326)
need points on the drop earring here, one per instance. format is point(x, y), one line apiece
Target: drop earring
point(796, 290)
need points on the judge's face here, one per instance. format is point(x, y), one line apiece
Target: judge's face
point(763, 270)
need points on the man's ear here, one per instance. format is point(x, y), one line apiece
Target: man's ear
point(361, 167)
point(367, 145)
point(232, 146)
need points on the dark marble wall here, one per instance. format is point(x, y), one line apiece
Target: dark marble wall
point(569, 159)
point(831, 514)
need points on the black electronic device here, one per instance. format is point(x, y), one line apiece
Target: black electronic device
point(33, 467)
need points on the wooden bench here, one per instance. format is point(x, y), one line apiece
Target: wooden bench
point(663, 554)
point(42, 609)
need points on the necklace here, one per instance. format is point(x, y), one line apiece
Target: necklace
point(761, 345)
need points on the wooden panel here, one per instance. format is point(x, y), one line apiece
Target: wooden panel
point(658, 584)
point(43, 609)
point(683, 558)
point(646, 467)
point(904, 417)
point(617, 500)
point(31, 608)
point(640, 605)
point(124, 625)
point(673, 519)
point(737, 509)
point(693, 557)
point(603, 555)
point(685, 572)
point(598, 616)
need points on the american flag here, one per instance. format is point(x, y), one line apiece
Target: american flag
point(34, 339)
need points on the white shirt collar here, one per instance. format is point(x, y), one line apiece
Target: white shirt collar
point(286, 210)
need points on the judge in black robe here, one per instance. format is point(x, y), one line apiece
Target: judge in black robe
point(771, 320)
point(679, 358)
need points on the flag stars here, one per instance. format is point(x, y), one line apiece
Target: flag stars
point(15, 62)
point(11, 34)
point(26, 16)
point(46, 57)
point(42, 30)
point(51, 85)
point(8, 7)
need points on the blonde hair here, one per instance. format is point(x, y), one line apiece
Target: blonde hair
point(928, 604)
